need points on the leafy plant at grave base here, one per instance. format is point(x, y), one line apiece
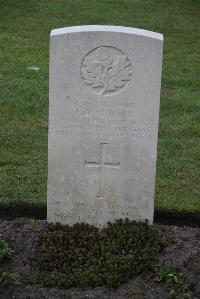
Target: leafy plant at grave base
point(83, 255)
point(5, 250)
point(7, 278)
point(168, 275)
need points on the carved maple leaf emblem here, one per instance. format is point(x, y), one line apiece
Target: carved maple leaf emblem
point(104, 72)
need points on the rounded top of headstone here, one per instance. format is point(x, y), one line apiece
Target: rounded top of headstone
point(107, 28)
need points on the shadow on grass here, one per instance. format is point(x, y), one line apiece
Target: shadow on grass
point(11, 212)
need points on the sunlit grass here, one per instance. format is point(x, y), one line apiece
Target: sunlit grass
point(24, 42)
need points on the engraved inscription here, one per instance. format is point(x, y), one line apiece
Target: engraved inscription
point(101, 165)
point(103, 119)
point(106, 70)
point(94, 211)
point(106, 128)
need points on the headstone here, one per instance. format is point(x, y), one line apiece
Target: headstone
point(103, 124)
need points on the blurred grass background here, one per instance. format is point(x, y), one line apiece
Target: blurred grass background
point(24, 41)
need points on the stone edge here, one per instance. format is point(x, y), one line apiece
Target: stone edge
point(107, 28)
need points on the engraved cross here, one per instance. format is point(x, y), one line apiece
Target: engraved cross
point(100, 166)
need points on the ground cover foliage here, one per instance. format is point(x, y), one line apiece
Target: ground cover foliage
point(6, 277)
point(24, 42)
point(83, 255)
point(5, 250)
point(175, 273)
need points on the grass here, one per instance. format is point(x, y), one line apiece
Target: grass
point(25, 26)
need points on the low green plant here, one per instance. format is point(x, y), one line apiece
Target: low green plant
point(168, 275)
point(7, 278)
point(5, 250)
point(187, 296)
point(83, 255)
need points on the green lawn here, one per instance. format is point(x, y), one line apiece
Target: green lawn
point(24, 40)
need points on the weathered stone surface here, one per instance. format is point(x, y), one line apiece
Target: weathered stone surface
point(103, 123)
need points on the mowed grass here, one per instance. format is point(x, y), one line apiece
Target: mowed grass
point(24, 41)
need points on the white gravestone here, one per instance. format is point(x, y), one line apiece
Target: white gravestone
point(103, 123)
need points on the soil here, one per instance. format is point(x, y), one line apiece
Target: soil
point(22, 235)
